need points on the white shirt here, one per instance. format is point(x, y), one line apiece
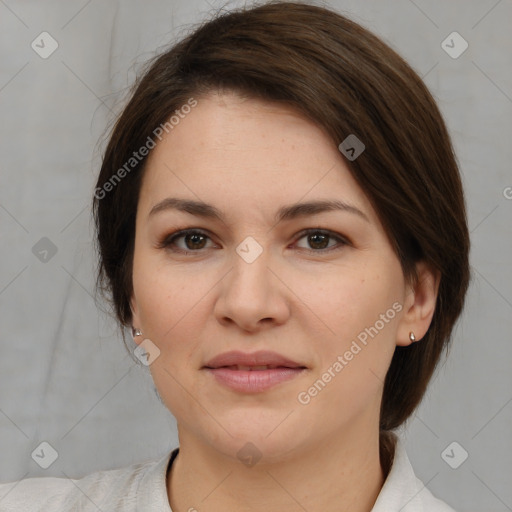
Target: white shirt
point(142, 488)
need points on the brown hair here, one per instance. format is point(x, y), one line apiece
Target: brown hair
point(346, 80)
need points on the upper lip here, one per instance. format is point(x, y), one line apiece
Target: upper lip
point(261, 358)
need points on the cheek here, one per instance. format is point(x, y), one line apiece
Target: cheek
point(352, 362)
point(164, 295)
point(359, 321)
point(348, 303)
point(174, 308)
point(171, 308)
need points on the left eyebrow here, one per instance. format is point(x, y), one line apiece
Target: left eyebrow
point(289, 212)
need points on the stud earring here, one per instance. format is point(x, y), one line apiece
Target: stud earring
point(136, 332)
point(412, 337)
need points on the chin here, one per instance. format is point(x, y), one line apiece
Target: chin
point(269, 438)
point(252, 450)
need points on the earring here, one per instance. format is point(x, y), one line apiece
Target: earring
point(412, 337)
point(136, 332)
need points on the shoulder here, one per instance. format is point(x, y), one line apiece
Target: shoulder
point(403, 491)
point(427, 502)
point(113, 490)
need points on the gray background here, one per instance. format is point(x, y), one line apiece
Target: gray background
point(65, 377)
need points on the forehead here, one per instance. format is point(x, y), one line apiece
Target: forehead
point(229, 150)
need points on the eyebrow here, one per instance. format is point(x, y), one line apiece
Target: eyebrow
point(205, 210)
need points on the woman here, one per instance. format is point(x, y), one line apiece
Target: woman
point(281, 222)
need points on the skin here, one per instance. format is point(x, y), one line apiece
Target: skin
point(248, 158)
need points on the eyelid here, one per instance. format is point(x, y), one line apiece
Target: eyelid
point(168, 239)
point(333, 234)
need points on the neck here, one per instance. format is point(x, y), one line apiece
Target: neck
point(341, 474)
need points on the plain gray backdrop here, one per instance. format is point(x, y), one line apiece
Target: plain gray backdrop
point(65, 377)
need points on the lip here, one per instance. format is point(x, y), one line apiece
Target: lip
point(224, 369)
point(260, 358)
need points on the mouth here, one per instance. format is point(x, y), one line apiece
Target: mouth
point(252, 373)
point(239, 367)
point(261, 360)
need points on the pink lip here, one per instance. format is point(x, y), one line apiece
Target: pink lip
point(224, 368)
point(260, 358)
point(253, 381)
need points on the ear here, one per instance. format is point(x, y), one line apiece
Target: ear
point(419, 304)
point(135, 319)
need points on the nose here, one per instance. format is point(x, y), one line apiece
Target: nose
point(252, 296)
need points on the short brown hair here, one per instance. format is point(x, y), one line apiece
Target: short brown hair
point(346, 80)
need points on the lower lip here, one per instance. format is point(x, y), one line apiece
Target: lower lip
point(253, 381)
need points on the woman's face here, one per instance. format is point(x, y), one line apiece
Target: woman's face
point(333, 301)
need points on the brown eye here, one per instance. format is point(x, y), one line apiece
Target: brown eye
point(318, 240)
point(194, 241)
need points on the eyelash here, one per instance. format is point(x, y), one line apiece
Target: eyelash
point(167, 241)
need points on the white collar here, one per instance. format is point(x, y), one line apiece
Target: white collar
point(402, 490)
